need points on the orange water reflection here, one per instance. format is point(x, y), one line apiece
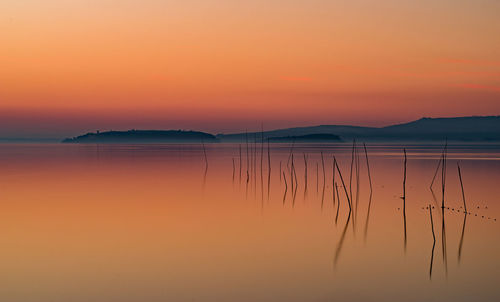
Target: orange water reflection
point(144, 223)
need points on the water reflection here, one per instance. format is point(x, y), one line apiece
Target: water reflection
point(305, 175)
point(433, 242)
point(465, 213)
point(286, 188)
point(344, 232)
point(340, 244)
point(462, 238)
point(443, 242)
point(338, 202)
point(367, 220)
point(149, 213)
point(289, 178)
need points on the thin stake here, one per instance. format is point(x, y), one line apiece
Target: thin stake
point(268, 156)
point(205, 153)
point(248, 158)
point(404, 199)
point(333, 179)
point(404, 182)
point(357, 181)
point(438, 166)
point(233, 168)
point(290, 155)
point(262, 149)
point(443, 174)
point(435, 173)
point(240, 161)
point(295, 176)
point(345, 189)
point(368, 168)
point(291, 174)
point(305, 173)
point(255, 161)
point(323, 166)
point(352, 162)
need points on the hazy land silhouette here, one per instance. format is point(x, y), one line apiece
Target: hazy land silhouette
point(462, 129)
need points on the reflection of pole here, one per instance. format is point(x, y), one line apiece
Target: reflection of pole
point(443, 242)
point(280, 171)
point(317, 178)
point(434, 242)
point(345, 189)
point(342, 237)
point(335, 188)
point(305, 175)
point(323, 166)
point(462, 186)
point(462, 238)
point(368, 216)
point(286, 188)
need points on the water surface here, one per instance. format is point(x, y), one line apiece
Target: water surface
point(157, 223)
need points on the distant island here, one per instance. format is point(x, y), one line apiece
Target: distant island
point(460, 129)
point(143, 136)
point(309, 138)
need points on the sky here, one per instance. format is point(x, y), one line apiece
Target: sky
point(72, 66)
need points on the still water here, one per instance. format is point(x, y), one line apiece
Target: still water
point(185, 223)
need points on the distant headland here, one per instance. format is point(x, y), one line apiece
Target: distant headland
point(143, 136)
point(460, 129)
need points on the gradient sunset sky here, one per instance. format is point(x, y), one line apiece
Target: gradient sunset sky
point(72, 66)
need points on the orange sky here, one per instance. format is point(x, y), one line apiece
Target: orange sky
point(229, 65)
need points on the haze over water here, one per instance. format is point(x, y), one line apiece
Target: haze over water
point(153, 223)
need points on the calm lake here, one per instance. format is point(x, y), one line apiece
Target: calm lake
point(189, 223)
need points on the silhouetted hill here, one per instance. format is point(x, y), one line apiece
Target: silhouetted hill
point(143, 136)
point(342, 131)
point(319, 137)
point(475, 128)
point(470, 129)
point(485, 128)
